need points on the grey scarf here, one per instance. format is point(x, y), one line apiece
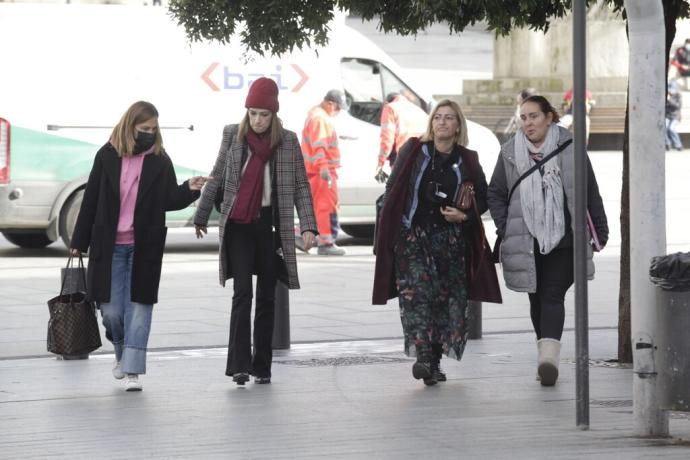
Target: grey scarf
point(541, 196)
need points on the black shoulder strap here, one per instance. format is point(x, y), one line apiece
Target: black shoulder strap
point(538, 165)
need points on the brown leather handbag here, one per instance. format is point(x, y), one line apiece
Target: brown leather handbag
point(465, 196)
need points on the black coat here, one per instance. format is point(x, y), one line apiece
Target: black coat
point(96, 226)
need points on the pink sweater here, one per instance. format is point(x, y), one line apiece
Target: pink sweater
point(129, 187)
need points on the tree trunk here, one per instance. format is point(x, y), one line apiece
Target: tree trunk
point(671, 13)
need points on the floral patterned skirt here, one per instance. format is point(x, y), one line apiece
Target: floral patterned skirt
point(432, 289)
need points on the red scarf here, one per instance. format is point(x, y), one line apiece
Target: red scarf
point(247, 205)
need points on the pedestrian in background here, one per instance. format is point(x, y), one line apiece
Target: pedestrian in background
point(514, 123)
point(259, 178)
point(568, 119)
point(674, 102)
point(535, 222)
point(121, 223)
point(681, 62)
point(422, 240)
point(401, 119)
point(322, 160)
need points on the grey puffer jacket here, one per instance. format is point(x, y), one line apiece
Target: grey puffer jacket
point(517, 248)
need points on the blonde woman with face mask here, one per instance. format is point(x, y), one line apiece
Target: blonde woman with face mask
point(122, 224)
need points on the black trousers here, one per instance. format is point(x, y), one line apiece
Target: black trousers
point(250, 249)
point(555, 275)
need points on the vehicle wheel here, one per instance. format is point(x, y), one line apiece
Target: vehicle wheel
point(68, 216)
point(28, 240)
point(359, 231)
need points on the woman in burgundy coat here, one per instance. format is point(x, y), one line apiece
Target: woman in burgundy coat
point(423, 238)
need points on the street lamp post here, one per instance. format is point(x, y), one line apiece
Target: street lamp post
point(579, 219)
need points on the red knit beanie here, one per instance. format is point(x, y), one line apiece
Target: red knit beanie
point(263, 94)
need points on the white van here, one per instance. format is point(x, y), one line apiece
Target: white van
point(70, 71)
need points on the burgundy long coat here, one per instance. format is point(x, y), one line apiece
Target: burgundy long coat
point(399, 190)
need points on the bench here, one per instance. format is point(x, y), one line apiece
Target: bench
point(607, 120)
point(604, 120)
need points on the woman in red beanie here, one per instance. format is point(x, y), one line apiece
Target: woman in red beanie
point(259, 179)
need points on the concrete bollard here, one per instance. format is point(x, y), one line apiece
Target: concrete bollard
point(474, 320)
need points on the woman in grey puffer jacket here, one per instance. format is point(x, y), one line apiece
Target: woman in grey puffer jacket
point(536, 225)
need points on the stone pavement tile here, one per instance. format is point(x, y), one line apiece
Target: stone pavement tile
point(365, 331)
point(304, 334)
point(176, 340)
point(184, 326)
point(353, 400)
point(315, 320)
point(324, 304)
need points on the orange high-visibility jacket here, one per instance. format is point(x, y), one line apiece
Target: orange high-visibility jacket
point(319, 142)
point(401, 119)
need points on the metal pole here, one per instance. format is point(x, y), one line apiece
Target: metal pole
point(647, 95)
point(579, 219)
point(474, 320)
point(281, 320)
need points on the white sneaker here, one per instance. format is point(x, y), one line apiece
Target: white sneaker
point(330, 250)
point(132, 383)
point(117, 371)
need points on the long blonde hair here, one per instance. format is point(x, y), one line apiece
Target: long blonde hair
point(124, 134)
point(461, 135)
point(276, 129)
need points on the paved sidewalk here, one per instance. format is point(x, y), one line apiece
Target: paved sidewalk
point(352, 400)
point(337, 393)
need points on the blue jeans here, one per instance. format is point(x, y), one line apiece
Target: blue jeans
point(127, 324)
point(672, 137)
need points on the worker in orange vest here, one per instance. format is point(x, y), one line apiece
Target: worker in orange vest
point(322, 159)
point(401, 119)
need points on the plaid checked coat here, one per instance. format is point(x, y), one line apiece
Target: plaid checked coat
point(290, 190)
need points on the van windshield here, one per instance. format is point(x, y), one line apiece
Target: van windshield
point(367, 84)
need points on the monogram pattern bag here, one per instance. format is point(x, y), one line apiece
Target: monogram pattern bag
point(73, 326)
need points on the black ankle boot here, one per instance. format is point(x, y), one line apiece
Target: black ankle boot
point(422, 370)
point(240, 378)
point(436, 370)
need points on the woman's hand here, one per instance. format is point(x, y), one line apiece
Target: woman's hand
point(309, 239)
point(74, 252)
point(454, 215)
point(197, 182)
point(200, 230)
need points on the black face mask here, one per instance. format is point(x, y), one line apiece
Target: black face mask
point(144, 141)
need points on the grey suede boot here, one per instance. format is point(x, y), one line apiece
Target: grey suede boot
point(549, 357)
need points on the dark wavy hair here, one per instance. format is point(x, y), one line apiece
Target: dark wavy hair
point(544, 106)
